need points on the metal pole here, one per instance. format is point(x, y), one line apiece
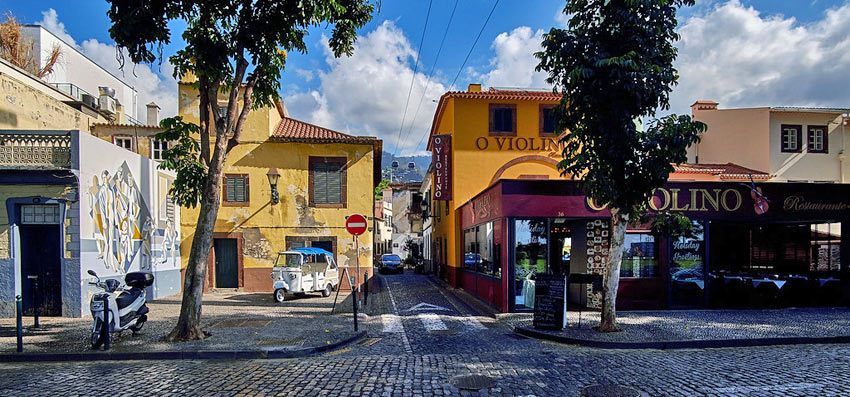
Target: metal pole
point(357, 251)
point(20, 330)
point(106, 327)
point(354, 303)
point(35, 300)
point(366, 286)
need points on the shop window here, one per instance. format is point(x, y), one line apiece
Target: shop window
point(236, 190)
point(826, 247)
point(157, 147)
point(687, 269)
point(125, 142)
point(639, 256)
point(791, 137)
point(40, 214)
point(327, 182)
point(502, 119)
point(817, 139)
point(478, 250)
point(529, 259)
point(547, 120)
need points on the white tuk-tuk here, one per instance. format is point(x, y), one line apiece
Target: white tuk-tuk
point(303, 270)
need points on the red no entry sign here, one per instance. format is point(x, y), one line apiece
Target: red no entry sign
point(356, 224)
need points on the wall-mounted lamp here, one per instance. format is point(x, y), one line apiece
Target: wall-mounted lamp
point(274, 176)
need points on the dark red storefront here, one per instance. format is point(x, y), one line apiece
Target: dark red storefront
point(785, 253)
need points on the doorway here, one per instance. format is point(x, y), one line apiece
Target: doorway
point(326, 245)
point(226, 263)
point(41, 258)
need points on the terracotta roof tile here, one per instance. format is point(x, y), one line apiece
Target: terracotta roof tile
point(291, 130)
point(497, 94)
point(728, 171)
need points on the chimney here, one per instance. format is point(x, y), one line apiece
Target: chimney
point(153, 114)
point(703, 105)
point(474, 88)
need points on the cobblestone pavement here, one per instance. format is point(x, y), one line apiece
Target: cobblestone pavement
point(443, 340)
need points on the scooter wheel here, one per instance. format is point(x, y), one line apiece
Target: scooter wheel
point(279, 295)
point(139, 324)
point(97, 336)
point(327, 291)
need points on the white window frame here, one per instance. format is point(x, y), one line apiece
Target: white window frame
point(790, 135)
point(123, 139)
point(817, 141)
point(156, 153)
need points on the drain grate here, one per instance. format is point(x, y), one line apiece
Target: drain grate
point(369, 341)
point(609, 391)
point(472, 382)
point(229, 324)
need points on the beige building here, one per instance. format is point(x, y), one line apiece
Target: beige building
point(796, 144)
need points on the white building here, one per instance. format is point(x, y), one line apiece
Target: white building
point(80, 77)
point(427, 244)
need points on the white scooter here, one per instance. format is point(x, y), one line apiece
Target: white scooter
point(127, 309)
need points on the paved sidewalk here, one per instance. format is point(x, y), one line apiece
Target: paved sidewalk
point(648, 328)
point(237, 321)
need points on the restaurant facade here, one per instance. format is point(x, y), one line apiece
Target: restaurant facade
point(502, 214)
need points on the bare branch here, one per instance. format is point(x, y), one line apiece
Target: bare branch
point(241, 67)
point(204, 115)
point(246, 107)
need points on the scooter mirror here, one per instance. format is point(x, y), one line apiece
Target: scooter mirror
point(91, 272)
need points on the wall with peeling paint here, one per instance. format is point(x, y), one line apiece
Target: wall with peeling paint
point(263, 227)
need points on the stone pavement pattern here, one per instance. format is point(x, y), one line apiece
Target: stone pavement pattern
point(445, 339)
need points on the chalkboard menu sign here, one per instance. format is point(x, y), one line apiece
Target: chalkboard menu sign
point(550, 301)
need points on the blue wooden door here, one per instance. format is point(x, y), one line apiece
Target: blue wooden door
point(226, 263)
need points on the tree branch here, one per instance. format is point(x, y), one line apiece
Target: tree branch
point(204, 115)
point(241, 67)
point(246, 107)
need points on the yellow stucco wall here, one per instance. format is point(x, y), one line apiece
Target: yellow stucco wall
point(25, 108)
point(264, 226)
point(739, 136)
point(479, 159)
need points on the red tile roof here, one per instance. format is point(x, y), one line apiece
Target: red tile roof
point(497, 94)
point(728, 171)
point(291, 130)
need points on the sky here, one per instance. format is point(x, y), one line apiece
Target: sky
point(740, 53)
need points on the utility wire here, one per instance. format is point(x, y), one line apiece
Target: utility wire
point(431, 73)
point(412, 79)
point(465, 59)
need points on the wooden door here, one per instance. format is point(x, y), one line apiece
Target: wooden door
point(226, 263)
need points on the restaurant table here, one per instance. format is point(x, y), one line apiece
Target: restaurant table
point(698, 283)
point(778, 283)
point(823, 281)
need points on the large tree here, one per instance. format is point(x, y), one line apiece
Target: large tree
point(237, 47)
point(614, 66)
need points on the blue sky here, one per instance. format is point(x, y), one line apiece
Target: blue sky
point(739, 53)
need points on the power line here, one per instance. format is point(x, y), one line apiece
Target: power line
point(431, 73)
point(467, 58)
point(412, 79)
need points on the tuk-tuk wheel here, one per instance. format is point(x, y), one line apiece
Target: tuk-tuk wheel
point(280, 295)
point(327, 291)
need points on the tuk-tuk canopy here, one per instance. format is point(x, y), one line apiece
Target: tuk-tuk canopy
point(312, 251)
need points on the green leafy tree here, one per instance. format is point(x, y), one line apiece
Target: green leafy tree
point(379, 190)
point(614, 65)
point(234, 47)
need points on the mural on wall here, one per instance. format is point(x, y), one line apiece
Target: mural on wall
point(122, 222)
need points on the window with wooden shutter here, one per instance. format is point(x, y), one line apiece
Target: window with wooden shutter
point(327, 182)
point(235, 190)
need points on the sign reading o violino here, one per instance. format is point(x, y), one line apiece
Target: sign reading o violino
point(441, 157)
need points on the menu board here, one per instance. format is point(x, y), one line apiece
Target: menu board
point(550, 301)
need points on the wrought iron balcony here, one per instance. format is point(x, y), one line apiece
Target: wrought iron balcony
point(42, 149)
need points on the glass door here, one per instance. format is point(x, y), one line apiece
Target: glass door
point(687, 269)
point(529, 259)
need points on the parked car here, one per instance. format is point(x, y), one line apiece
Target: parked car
point(303, 270)
point(391, 264)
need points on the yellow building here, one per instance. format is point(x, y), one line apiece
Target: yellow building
point(496, 134)
point(325, 176)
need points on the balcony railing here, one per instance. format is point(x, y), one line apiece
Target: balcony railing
point(72, 90)
point(35, 150)
point(131, 120)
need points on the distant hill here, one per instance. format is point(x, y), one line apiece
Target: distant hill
point(403, 173)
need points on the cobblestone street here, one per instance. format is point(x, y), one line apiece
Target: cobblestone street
point(430, 338)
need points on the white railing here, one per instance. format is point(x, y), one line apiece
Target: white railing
point(35, 149)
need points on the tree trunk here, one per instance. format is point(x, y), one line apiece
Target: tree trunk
point(189, 324)
point(608, 322)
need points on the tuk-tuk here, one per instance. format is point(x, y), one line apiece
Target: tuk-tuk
point(302, 270)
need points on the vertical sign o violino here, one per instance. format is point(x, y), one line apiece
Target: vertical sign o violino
point(441, 157)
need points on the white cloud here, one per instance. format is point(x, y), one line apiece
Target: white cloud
point(514, 62)
point(562, 19)
point(366, 93)
point(305, 74)
point(50, 21)
point(151, 86)
point(734, 55)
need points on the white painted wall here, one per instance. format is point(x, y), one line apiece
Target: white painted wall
point(154, 245)
point(805, 166)
point(75, 68)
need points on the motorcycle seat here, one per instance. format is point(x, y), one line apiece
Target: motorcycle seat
point(126, 298)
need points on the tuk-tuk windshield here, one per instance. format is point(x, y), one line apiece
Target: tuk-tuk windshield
point(289, 260)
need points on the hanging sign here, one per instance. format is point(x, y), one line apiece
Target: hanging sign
point(441, 157)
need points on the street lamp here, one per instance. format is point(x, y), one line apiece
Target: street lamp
point(274, 176)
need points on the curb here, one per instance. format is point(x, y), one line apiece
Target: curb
point(466, 298)
point(178, 355)
point(685, 344)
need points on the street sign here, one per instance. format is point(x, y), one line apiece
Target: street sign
point(356, 224)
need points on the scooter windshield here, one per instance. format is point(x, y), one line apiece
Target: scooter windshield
point(289, 260)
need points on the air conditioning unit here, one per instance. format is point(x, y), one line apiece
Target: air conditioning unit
point(107, 104)
point(89, 101)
